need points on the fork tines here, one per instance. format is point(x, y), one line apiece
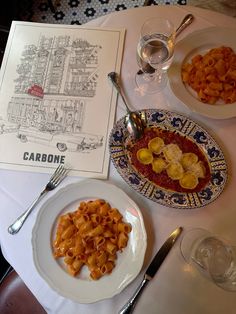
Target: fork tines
point(59, 174)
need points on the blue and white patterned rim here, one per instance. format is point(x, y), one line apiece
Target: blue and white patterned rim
point(174, 122)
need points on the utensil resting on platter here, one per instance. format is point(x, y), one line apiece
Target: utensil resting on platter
point(134, 122)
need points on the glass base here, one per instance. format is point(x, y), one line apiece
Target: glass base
point(150, 83)
point(212, 256)
point(191, 241)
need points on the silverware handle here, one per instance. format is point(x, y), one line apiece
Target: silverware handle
point(16, 226)
point(113, 76)
point(186, 21)
point(129, 306)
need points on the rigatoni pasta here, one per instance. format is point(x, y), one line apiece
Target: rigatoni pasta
point(91, 236)
point(212, 75)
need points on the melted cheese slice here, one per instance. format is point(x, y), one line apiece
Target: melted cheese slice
point(188, 159)
point(156, 144)
point(158, 165)
point(172, 152)
point(175, 170)
point(189, 180)
point(144, 156)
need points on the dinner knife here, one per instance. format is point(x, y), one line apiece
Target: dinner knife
point(151, 270)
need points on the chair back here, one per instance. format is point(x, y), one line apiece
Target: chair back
point(15, 297)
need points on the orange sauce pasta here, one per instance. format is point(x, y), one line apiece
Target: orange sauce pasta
point(212, 75)
point(92, 235)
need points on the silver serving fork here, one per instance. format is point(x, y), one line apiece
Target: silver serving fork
point(54, 181)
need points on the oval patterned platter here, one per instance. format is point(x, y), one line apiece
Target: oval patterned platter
point(186, 127)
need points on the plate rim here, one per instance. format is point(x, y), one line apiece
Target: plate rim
point(224, 111)
point(48, 280)
point(142, 192)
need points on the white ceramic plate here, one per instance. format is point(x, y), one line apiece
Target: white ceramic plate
point(82, 289)
point(200, 42)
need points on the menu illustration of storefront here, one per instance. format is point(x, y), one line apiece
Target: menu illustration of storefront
point(56, 104)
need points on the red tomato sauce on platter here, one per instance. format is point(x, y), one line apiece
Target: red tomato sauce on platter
point(162, 179)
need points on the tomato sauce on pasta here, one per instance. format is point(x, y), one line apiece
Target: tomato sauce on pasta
point(92, 235)
point(162, 179)
point(212, 75)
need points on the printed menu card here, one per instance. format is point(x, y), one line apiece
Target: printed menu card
point(56, 103)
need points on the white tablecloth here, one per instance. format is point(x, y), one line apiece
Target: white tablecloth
point(176, 288)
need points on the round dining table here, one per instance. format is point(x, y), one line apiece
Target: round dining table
point(177, 287)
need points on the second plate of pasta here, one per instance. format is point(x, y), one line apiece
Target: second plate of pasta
point(86, 286)
point(195, 44)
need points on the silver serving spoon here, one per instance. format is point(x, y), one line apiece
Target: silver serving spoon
point(187, 20)
point(134, 122)
point(146, 67)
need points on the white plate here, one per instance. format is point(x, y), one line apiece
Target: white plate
point(82, 289)
point(199, 43)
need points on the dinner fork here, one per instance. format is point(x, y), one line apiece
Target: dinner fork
point(56, 178)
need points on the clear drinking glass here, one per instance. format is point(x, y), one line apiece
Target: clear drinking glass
point(211, 255)
point(155, 51)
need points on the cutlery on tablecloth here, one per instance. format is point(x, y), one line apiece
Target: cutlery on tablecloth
point(152, 269)
point(187, 20)
point(135, 123)
point(56, 178)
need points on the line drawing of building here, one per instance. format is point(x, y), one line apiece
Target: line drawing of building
point(65, 69)
point(60, 66)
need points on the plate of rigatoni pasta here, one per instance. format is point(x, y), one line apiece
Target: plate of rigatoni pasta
point(203, 72)
point(89, 241)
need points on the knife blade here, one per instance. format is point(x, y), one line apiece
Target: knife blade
point(151, 270)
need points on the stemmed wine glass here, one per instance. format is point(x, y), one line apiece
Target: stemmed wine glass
point(154, 54)
point(211, 255)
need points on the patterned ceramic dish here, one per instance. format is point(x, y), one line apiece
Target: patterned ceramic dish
point(186, 127)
